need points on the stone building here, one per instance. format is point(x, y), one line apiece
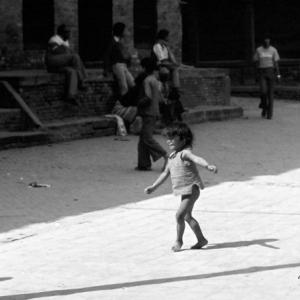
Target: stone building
point(215, 33)
point(225, 33)
point(26, 25)
point(33, 99)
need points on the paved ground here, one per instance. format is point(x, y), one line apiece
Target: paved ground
point(94, 234)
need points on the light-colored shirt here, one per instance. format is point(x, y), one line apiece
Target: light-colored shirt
point(117, 39)
point(184, 173)
point(56, 39)
point(266, 57)
point(161, 51)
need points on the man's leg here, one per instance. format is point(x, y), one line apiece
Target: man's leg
point(71, 82)
point(129, 78)
point(68, 64)
point(174, 72)
point(119, 71)
point(175, 77)
point(78, 65)
point(155, 149)
point(263, 92)
point(270, 94)
point(144, 160)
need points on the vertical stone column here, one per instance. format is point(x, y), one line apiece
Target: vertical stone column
point(67, 12)
point(249, 29)
point(169, 17)
point(11, 28)
point(123, 12)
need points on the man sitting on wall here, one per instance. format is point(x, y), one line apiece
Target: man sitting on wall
point(60, 58)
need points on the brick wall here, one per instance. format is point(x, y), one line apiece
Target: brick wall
point(11, 27)
point(44, 92)
point(46, 98)
point(11, 24)
point(11, 36)
point(11, 119)
point(204, 87)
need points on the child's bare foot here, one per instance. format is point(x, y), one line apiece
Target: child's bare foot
point(200, 244)
point(177, 246)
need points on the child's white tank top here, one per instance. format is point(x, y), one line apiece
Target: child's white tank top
point(184, 174)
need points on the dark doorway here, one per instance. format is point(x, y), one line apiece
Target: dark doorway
point(95, 27)
point(38, 23)
point(190, 41)
point(145, 23)
point(213, 30)
point(280, 21)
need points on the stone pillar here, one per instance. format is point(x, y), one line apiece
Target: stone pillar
point(169, 17)
point(66, 12)
point(190, 39)
point(249, 29)
point(11, 28)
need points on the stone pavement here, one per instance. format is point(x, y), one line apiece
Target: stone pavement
point(95, 235)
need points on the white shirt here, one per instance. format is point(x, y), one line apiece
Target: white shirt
point(117, 39)
point(266, 57)
point(56, 39)
point(161, 51)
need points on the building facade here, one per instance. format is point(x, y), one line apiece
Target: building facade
point(215, 33)
point(26, 25)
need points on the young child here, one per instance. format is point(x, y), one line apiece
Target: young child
point(185, 180)
point(148, 109)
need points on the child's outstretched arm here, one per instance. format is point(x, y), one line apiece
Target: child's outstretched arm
point(199, 161)
point(159, 181)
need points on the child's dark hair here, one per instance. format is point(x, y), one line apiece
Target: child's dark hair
point(181, 130)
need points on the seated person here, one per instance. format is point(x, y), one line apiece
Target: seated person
point(60, 58)
point(165, 58)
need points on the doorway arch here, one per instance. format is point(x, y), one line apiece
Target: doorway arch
point(95, 28)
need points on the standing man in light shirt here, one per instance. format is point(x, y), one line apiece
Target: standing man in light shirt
point(267, 58)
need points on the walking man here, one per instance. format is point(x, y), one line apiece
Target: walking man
point(266, 58)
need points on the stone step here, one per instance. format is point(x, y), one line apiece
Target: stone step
point(73, 128)
point(204, 113)
point(19, 139)
point(11, 119)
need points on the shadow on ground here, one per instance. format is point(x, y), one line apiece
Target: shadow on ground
point(254, 269)
point(261, 242)
point(5, 278)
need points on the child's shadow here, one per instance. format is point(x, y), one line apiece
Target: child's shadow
point(262, 242)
